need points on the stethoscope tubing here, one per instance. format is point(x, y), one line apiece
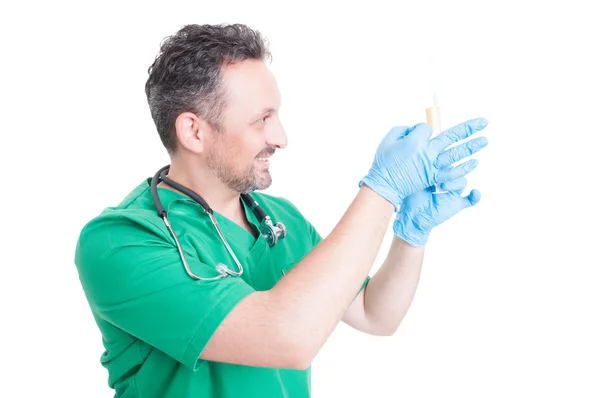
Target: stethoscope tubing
point(223, 270)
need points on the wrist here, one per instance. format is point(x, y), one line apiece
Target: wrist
point(379, 200)
point(408, 230)
point(382, 190)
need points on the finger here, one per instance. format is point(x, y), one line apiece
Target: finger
point(396, 133)
point(454, 173)
point(460, 152)
point(455, 185)
point(458, 132)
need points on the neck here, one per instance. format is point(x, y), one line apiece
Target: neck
point(205, 183)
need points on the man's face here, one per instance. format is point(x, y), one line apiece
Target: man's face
point(251, 130)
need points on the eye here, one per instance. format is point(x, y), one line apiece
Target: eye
point(264, 119)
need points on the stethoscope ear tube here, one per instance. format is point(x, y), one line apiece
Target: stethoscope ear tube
point(154, 191)
point(181, 188)
point(260, 213)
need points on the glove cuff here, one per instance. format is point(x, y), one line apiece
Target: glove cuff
point(384, 191)
point(405, 229)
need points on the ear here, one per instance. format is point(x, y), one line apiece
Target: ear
point(191, 131)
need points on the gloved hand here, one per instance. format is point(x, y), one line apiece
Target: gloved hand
point(422, 211)
point(407, 160)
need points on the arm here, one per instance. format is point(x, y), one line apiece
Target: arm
point(381, 306)
point(287, 325)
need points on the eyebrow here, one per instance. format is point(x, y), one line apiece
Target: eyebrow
point(266, 110)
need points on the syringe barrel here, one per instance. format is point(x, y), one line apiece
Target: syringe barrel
point(432, 114)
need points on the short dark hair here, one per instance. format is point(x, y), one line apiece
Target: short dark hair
point(186, 74)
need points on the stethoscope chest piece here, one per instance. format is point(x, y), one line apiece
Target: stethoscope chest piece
point(272, 233)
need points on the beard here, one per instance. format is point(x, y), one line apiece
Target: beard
point(243, 180)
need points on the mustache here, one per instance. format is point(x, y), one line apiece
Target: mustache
point(267, 152)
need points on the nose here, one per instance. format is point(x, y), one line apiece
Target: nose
point(276, 135)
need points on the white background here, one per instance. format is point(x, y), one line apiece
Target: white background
point(508, 300)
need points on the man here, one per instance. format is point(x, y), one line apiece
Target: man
point(171, 326)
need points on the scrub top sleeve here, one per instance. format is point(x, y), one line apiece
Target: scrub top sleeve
point(134, 279)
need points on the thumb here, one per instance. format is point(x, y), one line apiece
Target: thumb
point(464, 202)
point(472, 198)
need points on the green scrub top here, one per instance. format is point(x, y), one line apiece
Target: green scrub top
point(155, 320)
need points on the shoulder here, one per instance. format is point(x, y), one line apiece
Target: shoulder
point(132, 220)
point(136, 207)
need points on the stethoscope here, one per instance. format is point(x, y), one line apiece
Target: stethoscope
point(271, 233)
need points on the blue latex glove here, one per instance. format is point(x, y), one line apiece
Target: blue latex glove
point(424, 210)
point(407, 160)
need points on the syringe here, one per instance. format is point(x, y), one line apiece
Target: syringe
point(433, 116)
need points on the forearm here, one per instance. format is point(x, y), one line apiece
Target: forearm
point(313, 297)
point(390, 291)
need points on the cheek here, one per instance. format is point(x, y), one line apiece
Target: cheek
point(228, 150)
point(237, 155)
point(239, 149)
point(243, 152)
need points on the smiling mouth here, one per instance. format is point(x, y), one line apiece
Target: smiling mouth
point(265, 160)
